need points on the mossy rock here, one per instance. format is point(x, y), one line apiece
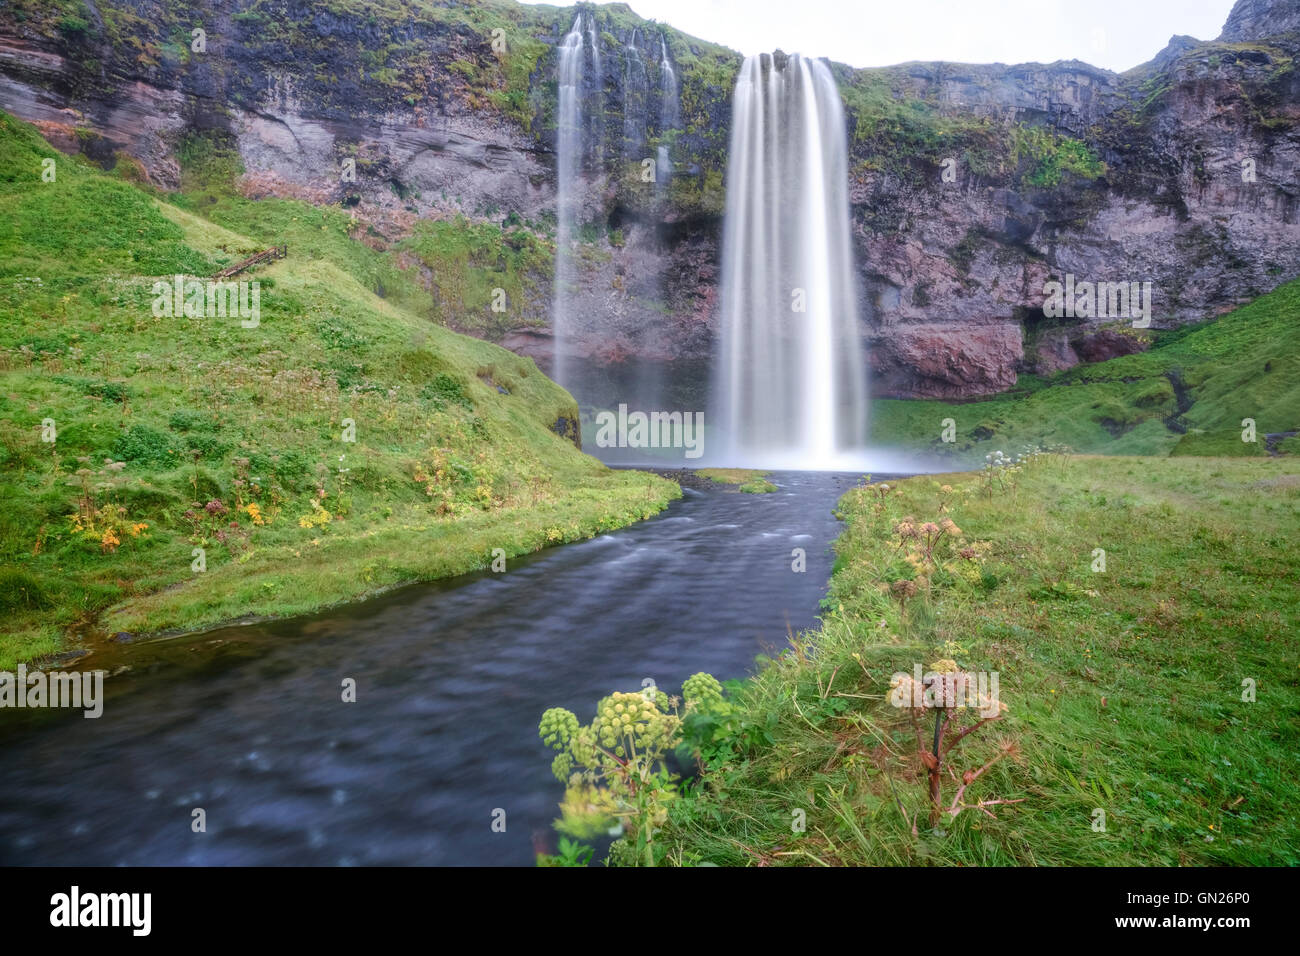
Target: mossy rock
point(196, 485)
point(1225, 443)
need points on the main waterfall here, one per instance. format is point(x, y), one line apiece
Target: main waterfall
point(790, 385)
point(568, 162)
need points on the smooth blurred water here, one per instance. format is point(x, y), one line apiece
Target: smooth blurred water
point(791, 360)
point(248, 723)
point(568, 162)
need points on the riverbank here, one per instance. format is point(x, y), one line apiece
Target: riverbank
point(1139, 615)
point(251, 722)
point(167, 468)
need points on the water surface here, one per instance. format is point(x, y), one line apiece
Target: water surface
point(248, 723)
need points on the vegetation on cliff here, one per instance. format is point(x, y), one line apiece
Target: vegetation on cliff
point(896, 131)
point(1190, 393)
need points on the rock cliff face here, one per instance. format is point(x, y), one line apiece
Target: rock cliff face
point(971, 186)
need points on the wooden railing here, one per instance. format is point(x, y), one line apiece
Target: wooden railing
point(275, 252)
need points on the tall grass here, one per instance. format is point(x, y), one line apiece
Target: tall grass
point(1124, 687)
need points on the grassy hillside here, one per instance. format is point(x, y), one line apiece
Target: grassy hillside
point(176, 433)
point(1245, 364)
point(1159, 688)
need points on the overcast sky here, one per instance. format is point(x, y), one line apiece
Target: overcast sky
point(1116, 34)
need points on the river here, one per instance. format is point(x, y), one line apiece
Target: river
point(248, 723)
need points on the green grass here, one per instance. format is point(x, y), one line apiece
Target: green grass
point(458, 448)
point(1243, 365)
point(468, 262)
point(747, 480)
point(1124, 688)
point(447, 271)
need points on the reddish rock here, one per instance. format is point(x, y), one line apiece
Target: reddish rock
point(1108, 344)
point(945, 360)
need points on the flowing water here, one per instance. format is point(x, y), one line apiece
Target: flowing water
point(568, 148)
point(791, 383)
point(635, 89)
point(452, 678)
point(670, 116)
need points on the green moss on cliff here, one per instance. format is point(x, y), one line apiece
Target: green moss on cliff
point(1189, 394)
point(468, 262)
point(896, 131)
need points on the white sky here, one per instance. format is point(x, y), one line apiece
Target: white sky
point(1115, 34)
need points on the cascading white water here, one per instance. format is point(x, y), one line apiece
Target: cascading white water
point(568, 160)
point(670, 113)
point(635, 87)
point(598, 83)
point(790, 387)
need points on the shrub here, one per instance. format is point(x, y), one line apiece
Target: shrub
point(20, 591)
point(445, 390)
point(143, 445)
point(1154, 395)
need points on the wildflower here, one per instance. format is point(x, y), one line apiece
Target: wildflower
point(557, 727)
point(903, 589)
point(109, 541)
point(701, 689)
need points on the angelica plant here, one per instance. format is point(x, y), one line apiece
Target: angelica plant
point(614, 768)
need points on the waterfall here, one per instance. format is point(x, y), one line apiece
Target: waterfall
point(598, 84)
point(635, 87)
point(568, 161)
point(670, 112)
point(790, 384)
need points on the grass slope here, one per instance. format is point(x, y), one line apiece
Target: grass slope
point(1245, 364)
point(178, 433)
point(1124, 688)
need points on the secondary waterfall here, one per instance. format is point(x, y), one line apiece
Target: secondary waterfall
point(790, 385)
point(635, 88)
point(670, 114)
point(568, 161)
